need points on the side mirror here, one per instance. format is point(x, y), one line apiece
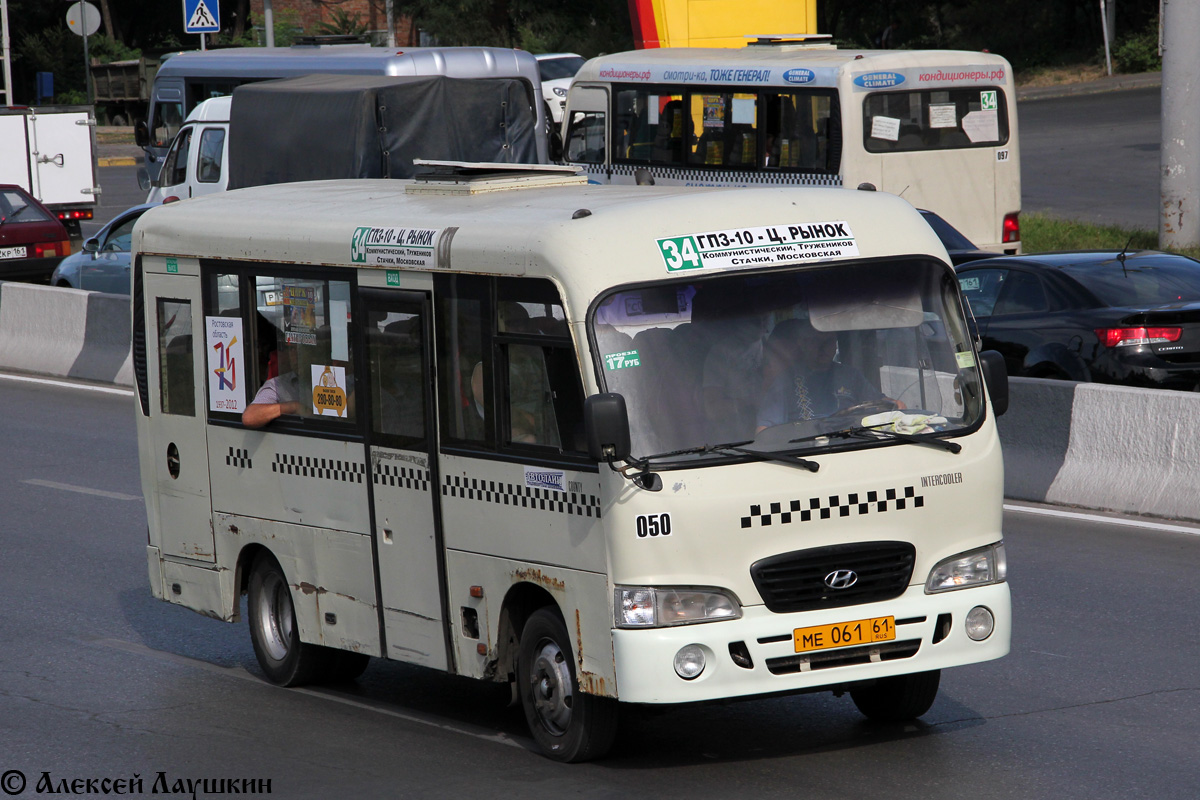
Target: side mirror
point(91, 246)
point(141, 134)
point(143, 179)
point(995, 375)
point(606, 423)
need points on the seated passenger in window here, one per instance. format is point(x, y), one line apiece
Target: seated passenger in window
point(811, 384)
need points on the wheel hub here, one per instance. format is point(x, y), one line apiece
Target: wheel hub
point(551, 684)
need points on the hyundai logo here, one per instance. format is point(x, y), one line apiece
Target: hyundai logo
point(841, 579)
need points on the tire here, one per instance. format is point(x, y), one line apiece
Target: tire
point(898, 699)
point(567, 724)
point(283, 657)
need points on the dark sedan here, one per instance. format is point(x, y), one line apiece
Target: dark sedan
point(32, 240)
point(1108, 317)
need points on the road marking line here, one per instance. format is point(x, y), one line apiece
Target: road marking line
point(241, 674)
point(1129, 523)
point(66, 487)
point(68, 385)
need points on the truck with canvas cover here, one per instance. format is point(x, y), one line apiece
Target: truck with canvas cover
point(347, 126)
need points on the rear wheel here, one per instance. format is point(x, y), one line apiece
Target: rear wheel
point(898, 699)
point(283, 657)
point(567, 724)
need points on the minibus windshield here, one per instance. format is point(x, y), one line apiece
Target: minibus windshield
point(800, 360)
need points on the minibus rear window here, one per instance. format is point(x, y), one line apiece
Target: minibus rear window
point(939, 119)
point(746, 129)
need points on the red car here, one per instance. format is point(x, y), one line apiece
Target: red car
point(32, 240)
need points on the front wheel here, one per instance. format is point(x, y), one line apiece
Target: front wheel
point(898, 699)
point(567, 724)
point(285, 659)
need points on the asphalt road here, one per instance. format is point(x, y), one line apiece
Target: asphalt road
point(1093, 158)
point(1099, 698)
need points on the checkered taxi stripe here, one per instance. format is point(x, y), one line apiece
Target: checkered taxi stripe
point(508, 494)
point(729, 177)
point(329, 469)
point(405, 477)
point(834, 506)
point(237, 457)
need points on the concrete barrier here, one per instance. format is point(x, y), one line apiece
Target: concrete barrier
point(1109, 448)
point(65, 333)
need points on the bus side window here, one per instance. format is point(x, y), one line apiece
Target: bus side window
point(585, 137)
point(168, 119)
point(466, 408)
point(394, 350)
point(176, 379)
point(542, 388)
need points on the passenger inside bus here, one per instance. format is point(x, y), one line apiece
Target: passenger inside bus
point(278, 395)
point(811, 383)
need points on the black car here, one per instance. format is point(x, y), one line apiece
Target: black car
point(958, 247)
point(1103, 316)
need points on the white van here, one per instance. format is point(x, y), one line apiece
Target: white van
point(607, 444)
point(938, 128)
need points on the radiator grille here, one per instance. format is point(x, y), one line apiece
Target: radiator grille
point(796, 581)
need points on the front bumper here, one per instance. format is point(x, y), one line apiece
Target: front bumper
point(644, 658)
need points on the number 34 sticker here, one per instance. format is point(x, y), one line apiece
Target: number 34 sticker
point(650, 526)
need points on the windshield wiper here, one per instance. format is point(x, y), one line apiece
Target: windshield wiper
point(867, 432)
point(736, 447)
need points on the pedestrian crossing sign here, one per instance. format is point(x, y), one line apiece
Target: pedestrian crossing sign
point(201, 16)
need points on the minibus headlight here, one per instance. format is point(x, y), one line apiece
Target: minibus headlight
point(650, 607)
point(975, 568)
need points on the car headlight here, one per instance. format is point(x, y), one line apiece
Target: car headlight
point(975, 568)
point(651, 607)
point(558, 90)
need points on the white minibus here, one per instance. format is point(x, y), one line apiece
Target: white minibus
point(608, 445)
point(937, 127)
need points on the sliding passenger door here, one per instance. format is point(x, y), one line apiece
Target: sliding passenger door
point(401, 444)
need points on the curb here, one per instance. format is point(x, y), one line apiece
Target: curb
point(1115, 83)
point(117, 161)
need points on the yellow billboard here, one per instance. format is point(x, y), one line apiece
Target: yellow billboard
point(717, 23)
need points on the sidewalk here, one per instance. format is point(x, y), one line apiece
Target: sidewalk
point(1142, 80)
point(117, 154)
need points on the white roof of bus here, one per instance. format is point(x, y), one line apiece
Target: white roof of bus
point(784, 55)
point(530, 231)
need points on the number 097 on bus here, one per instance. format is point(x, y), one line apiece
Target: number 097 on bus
point(845, 634)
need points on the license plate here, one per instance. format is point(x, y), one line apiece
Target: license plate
point(845, 634)
point(12, 252)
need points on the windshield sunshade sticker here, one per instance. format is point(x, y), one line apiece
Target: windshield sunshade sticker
point(834, 506)
point(746, 248)
point(629, 358)
point(574, 503)
point(404, 248)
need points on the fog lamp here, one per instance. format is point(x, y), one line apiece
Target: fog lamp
point(980, 623)
point(689, 661)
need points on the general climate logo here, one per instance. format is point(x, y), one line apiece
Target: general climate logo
point(879, 80)
point(799, 75)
